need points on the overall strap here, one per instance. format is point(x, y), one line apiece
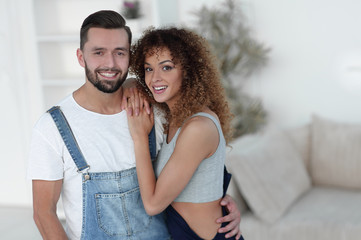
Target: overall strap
point(152, 144)
point(68, 138)
point(226, 180)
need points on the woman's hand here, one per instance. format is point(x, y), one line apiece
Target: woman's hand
point(140, 124)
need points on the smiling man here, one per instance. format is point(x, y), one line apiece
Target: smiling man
point(82, 148)
point(104, 59)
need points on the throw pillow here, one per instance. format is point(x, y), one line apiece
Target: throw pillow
point(301, 139)
point(336, 153)
point(269, 172)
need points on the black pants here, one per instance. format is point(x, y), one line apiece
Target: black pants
point(180, 230)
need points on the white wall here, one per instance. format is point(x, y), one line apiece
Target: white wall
point(315, 62)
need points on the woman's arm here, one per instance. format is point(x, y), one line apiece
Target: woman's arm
point(197, 141)
point(147, 178)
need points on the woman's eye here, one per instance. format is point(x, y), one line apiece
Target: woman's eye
point(167, 68)
point(147, 69)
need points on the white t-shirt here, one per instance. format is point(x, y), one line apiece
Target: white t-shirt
point(104, 140)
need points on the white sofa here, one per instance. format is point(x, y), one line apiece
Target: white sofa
point(300, 183)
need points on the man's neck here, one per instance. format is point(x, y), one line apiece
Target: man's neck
point(90, 98)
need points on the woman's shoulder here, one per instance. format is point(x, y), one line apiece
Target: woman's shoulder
point(204, 117)
point(201, 124)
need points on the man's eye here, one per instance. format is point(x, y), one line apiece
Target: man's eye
point(120, 53)
point(98, 53)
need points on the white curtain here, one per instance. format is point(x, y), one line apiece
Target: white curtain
point(20, 99)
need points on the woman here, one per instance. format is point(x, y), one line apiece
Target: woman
point(178, 73)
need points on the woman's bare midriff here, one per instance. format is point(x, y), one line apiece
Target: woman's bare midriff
point(201, 217)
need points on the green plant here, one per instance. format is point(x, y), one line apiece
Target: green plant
point(239, 56)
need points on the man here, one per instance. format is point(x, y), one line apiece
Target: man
point(92, 162)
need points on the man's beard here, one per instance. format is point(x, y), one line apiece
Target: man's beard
point(105, 85)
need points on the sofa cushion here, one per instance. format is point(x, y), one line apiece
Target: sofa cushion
point(321, 213)
point(301, 138)
point(234, 192)
point(269, 172)
point(335, 153)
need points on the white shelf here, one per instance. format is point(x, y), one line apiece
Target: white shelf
point(66, 82)
point(73, 38)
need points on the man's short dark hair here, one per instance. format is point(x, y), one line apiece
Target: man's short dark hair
point(107, 19)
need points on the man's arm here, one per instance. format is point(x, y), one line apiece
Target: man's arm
point(45, 197)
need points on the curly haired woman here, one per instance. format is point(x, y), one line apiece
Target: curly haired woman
point(179, 75)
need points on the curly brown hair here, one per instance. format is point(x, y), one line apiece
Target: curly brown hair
point(201, 86)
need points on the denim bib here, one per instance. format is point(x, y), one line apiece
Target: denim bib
point(112, 205)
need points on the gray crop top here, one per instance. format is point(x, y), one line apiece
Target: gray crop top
point(206, 185)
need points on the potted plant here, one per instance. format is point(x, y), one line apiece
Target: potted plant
point(239, 56)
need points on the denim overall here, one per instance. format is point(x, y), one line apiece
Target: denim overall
point(112, 205)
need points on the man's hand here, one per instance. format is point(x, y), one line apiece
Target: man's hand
point(233, 217)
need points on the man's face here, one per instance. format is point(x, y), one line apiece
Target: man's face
point(105, 57)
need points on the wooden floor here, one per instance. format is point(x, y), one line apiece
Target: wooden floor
point(17, 224)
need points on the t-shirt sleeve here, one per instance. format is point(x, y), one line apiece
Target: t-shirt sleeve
point(44, 162)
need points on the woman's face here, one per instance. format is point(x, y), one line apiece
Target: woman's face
point(163, 77)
